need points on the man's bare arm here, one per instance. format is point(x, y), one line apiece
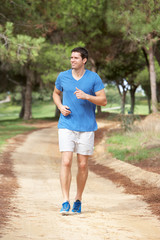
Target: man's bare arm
point(57, 100)
point(99, 99)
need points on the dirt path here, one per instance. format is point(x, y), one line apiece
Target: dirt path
point(108, 212)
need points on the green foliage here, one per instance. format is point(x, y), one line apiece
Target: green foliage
point(157, 69)
point(135, 19)
point(81, 15)
point(143, 75)
point(54, 59)
point(18, 49)
point(127, 122)
point(85, 21)
point(113, 96)
point(142, 78)
point(63, 23)
point(125, 66)
point(33, 17)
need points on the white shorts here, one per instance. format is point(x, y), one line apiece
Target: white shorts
point(73, 141)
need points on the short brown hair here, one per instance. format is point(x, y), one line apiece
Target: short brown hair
point(82, 51)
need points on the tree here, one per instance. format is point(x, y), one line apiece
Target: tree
point(139, 22)
point(123, 70)
point(20, 52)
point(143, 79)
point(53, 59)
point(132, 89)
point(34, 17)
point(157, 55)
point(85, 21)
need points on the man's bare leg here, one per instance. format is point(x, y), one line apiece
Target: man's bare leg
point(65, 174)
point(82, 174)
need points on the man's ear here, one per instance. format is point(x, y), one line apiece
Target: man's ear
point(85, 60)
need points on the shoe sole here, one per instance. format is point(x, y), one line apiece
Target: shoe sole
point(74, 213)
point(64, 213)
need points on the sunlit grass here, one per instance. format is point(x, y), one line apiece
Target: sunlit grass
point(11, 125)
point(141, 142)
point(114, 108)
point(10, 129)
point(43, 110)
point(127, 146)
point(39, 110)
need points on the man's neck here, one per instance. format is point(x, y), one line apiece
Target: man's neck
point(78, 73)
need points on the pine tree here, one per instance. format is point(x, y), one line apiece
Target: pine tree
point(139, 21)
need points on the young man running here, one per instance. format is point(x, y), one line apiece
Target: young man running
point(82, 91)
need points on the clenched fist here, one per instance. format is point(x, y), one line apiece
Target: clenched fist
point(80, 94)
point(65, 110)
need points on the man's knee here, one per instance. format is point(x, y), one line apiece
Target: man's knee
point(83, 163)
point(66, 163)
point(67, 159)
point(83, 166)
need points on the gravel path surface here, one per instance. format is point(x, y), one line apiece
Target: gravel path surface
point(108, 212)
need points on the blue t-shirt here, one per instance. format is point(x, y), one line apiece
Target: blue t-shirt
point(82, 117)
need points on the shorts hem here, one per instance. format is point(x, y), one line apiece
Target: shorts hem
point(77, 152)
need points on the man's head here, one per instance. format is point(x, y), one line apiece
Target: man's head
point(83, 52)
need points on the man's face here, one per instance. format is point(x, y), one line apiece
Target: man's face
point(77, 61)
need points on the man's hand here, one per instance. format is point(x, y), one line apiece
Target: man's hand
point(98, 99)
point(65, 110)
point(80, 94)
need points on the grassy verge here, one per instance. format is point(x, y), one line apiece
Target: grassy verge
point(141, 109)
point(10, 129)
point(11, 125)
point(140, 143)
point(39, 110)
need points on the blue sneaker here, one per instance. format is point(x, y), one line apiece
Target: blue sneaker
point(76, 207)
point(65, 208)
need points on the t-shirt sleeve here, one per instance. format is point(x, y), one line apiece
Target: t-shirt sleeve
point(58, 83)
point(98, 84)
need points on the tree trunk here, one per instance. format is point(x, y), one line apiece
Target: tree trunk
point(123, 101)
point(152, 78)
point(123, 98)
point(149, 104)
point(99, 111)
point(21, 114)
point(57, 112)
point(132, 94)
point(145, 56)
point(158, 92)
point(28, 94)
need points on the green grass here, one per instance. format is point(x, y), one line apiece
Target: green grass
point(39, 110)
point(10, 129)
point(139, 109)
point(125, 140)
point(11, 125)
point(8, 111)
point(47, 110)
point(43, 110)
point(130, 146)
